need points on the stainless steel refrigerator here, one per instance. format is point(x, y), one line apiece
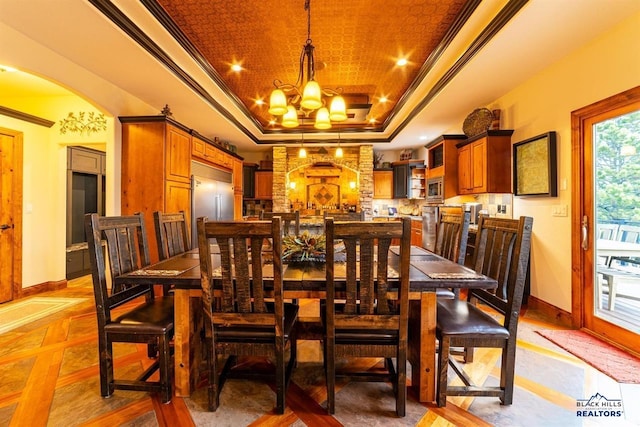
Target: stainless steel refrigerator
point(212, 196)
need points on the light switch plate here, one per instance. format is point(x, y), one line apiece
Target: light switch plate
point(559, 210)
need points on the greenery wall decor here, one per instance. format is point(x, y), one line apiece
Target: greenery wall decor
point(83, 123)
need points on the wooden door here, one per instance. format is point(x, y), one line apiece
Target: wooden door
point(479, 166)
point(464, 170)
point(10, 214)
point(382, 184)
point(178, 155)
point(602, 144)
point(264, 184)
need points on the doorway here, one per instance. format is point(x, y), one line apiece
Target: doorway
point(605, 243)
point(10, 214)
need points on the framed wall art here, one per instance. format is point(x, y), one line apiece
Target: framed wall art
point(535, 166)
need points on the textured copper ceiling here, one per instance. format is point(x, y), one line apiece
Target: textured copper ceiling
point(356, 45)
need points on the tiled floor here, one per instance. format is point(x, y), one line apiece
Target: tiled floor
point(48, 376)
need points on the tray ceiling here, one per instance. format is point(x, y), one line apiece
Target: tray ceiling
point(357, 44)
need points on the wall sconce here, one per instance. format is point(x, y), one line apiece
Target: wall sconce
point(352, 185)
point(292, 185)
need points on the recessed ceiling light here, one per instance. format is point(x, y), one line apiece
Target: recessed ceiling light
point(236, 67)
point(259, 102)
point(401, 62)
point(383, 99)
point(372, 120)
point(423, 137)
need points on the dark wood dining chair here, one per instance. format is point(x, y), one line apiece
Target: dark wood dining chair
point(502, 252)
point(290, 220)
point(172, 236)
point(149, 322)
point(245, 314)
point(452, 233)
point(361, 318)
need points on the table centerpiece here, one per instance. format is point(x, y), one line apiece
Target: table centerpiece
point(304, 247)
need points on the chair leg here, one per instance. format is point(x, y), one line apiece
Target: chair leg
point(401, 384)
point(214, 379)
point(468, 354)
point(507, 371)
point(280, 379)
point(165, 368)
point(330, 361)
point(443, 369)
point(105, 349)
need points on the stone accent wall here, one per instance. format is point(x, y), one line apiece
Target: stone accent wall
point(280, 179)
point(358, 160)
point(366, 178)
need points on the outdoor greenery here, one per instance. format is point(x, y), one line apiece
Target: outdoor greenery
point(617, 143)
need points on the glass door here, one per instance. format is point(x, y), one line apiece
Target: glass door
point(609, 165)
point(617, 218)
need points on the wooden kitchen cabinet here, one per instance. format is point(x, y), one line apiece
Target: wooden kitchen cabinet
point(416, 232)
point(263, 184)
point(211, 153)
point(156, 169)
point(442, 162)
point(409, 179)
point(383, 184)
point(249, 180)
point(484, 163)
point(237, 176)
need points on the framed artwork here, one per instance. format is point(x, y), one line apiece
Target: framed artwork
point(535, 166)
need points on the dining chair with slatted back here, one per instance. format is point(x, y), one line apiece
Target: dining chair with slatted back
point(452, 233)
point(150, 322)
point(290, 220)
point(361, 317)
point(502, 253)
point(245, 313)
point(172, 236)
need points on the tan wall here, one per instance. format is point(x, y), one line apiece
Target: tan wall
point(600, 69)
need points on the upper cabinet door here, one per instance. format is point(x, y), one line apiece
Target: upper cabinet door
point(400, 181)
point(178, 155)
point(484, 163)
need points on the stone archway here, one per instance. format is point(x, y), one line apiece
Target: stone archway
point(358, 159)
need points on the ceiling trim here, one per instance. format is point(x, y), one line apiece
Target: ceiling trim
point(116, 16)
point(165, 20)
point(123, 22)
point(469, 7)
point(5, 111)
point(501, 19)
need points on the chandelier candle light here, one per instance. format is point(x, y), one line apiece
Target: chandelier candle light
point(310, 98)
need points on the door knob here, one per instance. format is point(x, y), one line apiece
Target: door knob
point(5, 226)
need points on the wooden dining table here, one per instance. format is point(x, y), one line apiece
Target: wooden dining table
point(428, 273)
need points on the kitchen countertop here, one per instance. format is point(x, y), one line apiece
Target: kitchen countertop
point(414, 217)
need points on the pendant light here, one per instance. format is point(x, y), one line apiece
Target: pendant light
point(305, 96)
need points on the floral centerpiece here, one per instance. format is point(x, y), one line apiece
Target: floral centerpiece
point(305, 247)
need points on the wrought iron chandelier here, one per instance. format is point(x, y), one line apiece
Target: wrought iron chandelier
point(287, 100)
